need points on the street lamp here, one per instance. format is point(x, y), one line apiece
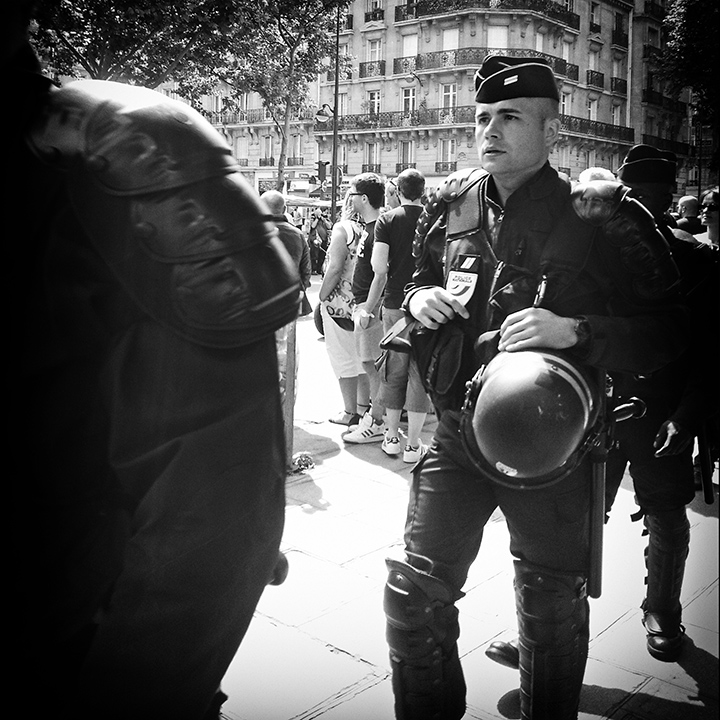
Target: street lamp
point(324, 114)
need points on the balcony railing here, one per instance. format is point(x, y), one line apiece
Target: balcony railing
point(595, 27)
point(596, 79)
point(464, 115)
point(565, 171)
point(375, 15)
point(372, 167)
point(266, 162)
point(679, 148)
point(375, 68)
point(473, 57)
point(399, 167)
point(657, 98)
point(654, 10)
point(585, 126)
point(446, 167)
point(620, 38)
point(440, 7)
point(296, 160)
point(618, 85)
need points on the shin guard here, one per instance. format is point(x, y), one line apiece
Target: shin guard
point(553, 623)
point(422, 633)
point(667, 551)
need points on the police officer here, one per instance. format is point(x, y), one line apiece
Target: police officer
point(510, 260)
point(681, 399)
point(148, 428)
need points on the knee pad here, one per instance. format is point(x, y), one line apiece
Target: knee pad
point(422, 633)
point(552, 608)
point(418, 605)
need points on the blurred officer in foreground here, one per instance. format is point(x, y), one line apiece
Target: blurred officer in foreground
point(148, 426)
point(524, 293)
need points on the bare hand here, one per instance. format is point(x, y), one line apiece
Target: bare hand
point(671, 439)
point(536, 327)
point(435, 306)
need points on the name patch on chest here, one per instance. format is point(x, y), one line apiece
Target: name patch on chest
point(462, 281)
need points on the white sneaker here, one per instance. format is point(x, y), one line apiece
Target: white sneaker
point(391, 446)
point(366, 432)
point(413, 454)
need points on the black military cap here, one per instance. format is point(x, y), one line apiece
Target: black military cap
point(503, 78)
point(647, 164)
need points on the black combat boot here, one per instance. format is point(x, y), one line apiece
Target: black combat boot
point(665, 556)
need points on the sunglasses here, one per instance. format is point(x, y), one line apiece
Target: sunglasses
point(710, 207)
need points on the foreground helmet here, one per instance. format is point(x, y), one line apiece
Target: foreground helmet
point(527, 417)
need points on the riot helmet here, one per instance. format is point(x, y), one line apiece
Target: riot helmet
point(528, 417)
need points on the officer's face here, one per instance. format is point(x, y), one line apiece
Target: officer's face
point(514, 137)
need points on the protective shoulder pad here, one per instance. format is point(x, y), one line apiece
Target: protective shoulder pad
point(131, 139)
point(452, 188)
point(156, 190)
point(635, 251)
point(596, 202)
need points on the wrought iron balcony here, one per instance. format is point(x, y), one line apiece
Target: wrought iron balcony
point(445, 167)
point(376, 14)
point(620, 38)
point(424, 8)
point(618, 85)
point(596, 79)
point(399, 167)
point(296, 160)
point(372, 167)
point(473, 57)
point(266, 162)
point(375, 68)
point(594, 128)
point(679, 148)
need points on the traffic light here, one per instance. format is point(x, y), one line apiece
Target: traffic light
point(321, 169)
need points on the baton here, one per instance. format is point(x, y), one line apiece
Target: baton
point(632, 409)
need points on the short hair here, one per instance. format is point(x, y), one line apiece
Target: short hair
point(688, 202)
point(411, 183)
point(275, 201)
point(371, 185)
point(596, 173)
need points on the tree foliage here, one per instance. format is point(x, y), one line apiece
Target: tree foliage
point(275, 48)
point(692, 52)
point(141, 42)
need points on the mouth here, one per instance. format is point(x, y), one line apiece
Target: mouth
point(491, 152)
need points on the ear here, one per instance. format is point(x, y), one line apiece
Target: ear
point(552, 131)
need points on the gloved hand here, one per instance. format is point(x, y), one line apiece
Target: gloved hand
point(671, 439)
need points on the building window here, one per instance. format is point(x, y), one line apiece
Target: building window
point(594, 17)
point(372, 154)
point(373, 102)
point(373, 50)
point(497, 37)
point(566, 103)
point(539, 42)
point(566, 51)
point(593, 60)
point(616, 115)
point(408, 100)
point(409, 46)
point(447, 151)
point(450, 39)
point(448, 95)
point(592, 105)
point(406, 153)
point(267, 146)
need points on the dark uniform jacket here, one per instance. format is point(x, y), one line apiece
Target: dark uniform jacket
point(614, 273)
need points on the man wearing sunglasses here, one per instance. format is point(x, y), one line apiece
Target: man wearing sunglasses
point(510, 259)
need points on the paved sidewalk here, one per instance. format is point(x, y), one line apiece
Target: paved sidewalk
point(316, 647)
